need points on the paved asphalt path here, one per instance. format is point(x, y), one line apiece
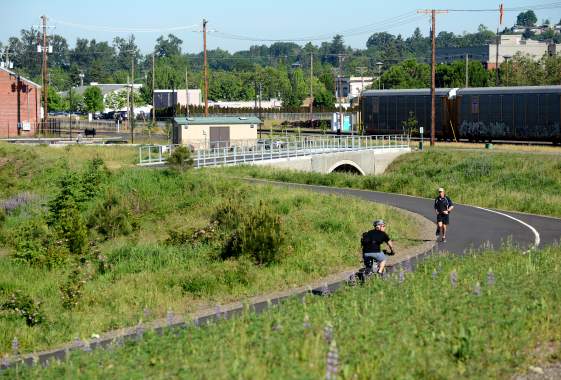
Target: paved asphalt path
point(470, 227)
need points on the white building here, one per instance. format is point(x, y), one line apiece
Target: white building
point(512, 44)
point(265, 104)
point(352, 87)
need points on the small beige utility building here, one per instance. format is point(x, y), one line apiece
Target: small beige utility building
point(215, 132)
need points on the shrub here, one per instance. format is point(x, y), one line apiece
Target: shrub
point(93, 178)
point(259, 235)
point(180, 158)
point(112, 217)
point(35, 244)
point(72, 229)
point(25, 307)
point(72, 289)
point(203, 235)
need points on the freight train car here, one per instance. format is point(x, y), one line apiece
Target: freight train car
point(475, 114)
point(386, 111)
point(509, 113)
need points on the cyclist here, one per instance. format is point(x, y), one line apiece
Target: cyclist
point(371, 247)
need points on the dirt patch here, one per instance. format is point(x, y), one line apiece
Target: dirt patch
point(548, 356)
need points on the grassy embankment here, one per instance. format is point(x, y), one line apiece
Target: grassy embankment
point(504, 180)
point(485, 316)
point(84, 250)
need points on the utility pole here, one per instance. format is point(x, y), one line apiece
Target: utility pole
point(187, 91)
point(205, 67)
point(501, 15)
point(311, 89)
point(45, 72)
point(131, 115)
point(18, 88)
point(153, 93)
point(341, 117)
point(433, 13)
point(467, 70)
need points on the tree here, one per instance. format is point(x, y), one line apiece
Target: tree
point(93, 99)
point(168, 47)
point(56, 102)
point(180, 158)
point(527, 19)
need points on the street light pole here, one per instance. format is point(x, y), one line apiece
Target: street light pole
point(379, 64)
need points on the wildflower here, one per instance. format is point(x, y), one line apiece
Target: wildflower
point(477, 289)
point(170, 317)
point(15, 346)
point(332, 362)
point(307, 324)
point(219, 313)
point(328, 333)
point(490, 278)
point(139, 331)
point(454, 279)
point(5, 362)
point(78, 342)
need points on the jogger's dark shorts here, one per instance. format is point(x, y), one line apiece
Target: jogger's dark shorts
point(445, 219)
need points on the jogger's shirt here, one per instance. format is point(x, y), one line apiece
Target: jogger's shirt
point(442, 204)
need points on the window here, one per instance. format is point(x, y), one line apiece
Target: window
point(475, 104)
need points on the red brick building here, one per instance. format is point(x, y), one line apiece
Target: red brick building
point(20, 105)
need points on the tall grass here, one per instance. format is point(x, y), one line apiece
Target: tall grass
point(485, 324)
point(510, 181)
point(137, 269)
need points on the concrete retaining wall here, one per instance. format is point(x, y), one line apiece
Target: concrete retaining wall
point(367, 162)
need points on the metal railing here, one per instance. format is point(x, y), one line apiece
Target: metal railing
point(224, 153)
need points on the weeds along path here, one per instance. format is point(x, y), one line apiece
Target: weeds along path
point(406, 258)
point(471, 227)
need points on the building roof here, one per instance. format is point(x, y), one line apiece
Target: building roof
point(420, 91)
point(217, 120)
point(105, 88)
point(21, 78)
point(509, 90)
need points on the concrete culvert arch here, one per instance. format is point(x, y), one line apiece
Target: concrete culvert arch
point(349, 167)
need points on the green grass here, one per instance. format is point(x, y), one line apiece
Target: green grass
point(510, 181)
point(322, 237)
point(421, 328)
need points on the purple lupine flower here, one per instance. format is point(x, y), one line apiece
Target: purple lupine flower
point(307, 324)
point(218, 311)
point(139, 331)
point(5, 362)
point(491, 278)
point(170, 317)
point(78, 342)
point(86, 347)
point(328, 333)
point(14, 202)
point(454, 279)
point(477, 289)
point(15, 346)
point(401, 276)
point(332, 362)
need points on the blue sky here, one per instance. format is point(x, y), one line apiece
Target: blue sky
point(257, 19)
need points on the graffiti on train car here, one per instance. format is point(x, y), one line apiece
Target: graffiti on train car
point(502, 130)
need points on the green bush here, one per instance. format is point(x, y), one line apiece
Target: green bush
point(72, 290)
point(24, 306)
point(112, 217)
point(35, 244)
point(93, 178)
point(259, 235)
point(180, 158)
point(192, 236)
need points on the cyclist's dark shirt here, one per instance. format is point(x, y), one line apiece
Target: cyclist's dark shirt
point(372, 240)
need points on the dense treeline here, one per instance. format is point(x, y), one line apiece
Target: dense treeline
point(280, 70)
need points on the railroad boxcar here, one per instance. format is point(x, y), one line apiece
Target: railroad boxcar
point(386, 111)
point(509, 113)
